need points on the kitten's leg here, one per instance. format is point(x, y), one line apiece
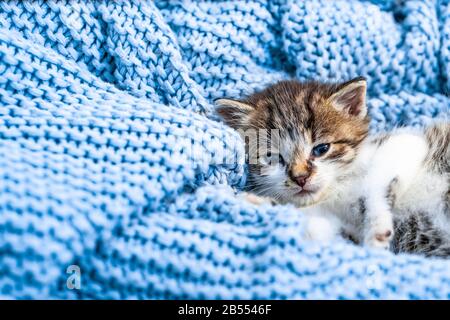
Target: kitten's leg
point(394, 167)
point(320, 226)
point(378, 223)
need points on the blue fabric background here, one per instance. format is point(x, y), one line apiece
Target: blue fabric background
point(100, 100)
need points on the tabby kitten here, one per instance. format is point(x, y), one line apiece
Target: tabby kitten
point(347, 182)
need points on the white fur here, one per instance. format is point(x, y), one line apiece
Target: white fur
point(335, 206)
point(400, 157)
point(323, 228)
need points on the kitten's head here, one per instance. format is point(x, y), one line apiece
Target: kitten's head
point(319, 130)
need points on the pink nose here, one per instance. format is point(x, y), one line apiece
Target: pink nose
point(301, 180)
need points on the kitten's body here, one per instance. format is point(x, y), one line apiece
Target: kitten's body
point(346, 182)
point(396, 179)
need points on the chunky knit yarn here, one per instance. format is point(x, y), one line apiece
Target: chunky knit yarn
point(107, 139)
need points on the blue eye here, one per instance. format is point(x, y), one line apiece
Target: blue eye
point(320, 149)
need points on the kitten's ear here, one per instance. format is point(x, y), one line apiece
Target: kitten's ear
point(351, 98)
point(233, 112)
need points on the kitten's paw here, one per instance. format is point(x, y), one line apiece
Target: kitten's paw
point(255, 199)
point(319, 228)
point(379, 236)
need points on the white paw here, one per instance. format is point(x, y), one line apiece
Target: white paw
point(379, 234)
point(255, 199)
point(322, 229)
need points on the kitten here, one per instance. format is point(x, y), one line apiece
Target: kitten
point(322, 159)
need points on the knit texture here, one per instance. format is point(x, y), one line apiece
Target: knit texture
point(108, 144)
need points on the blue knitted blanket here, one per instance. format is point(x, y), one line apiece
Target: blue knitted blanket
point(110, 185)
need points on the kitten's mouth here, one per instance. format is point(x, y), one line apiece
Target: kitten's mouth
point(304, 192)
point(307, 196)
point(307, 191)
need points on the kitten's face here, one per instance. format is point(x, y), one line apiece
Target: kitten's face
point(320, 127)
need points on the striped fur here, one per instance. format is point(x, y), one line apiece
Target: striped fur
point(306, 114)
